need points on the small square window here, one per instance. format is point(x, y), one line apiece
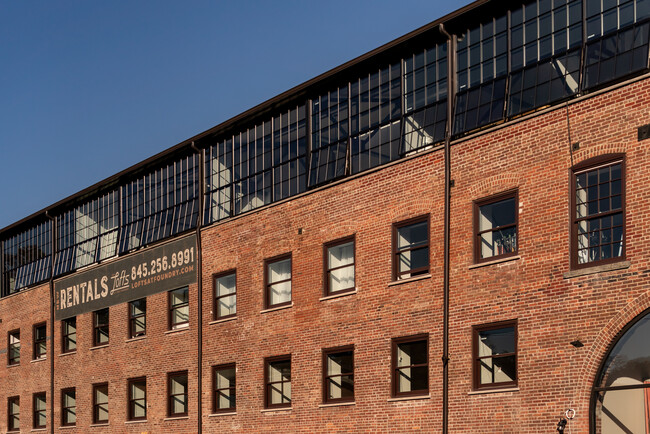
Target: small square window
point(100, 403)
point(68, 407)
point(40, 411)
point(69, 334)
point(411, 366)
point(138, 318)
point(179, 308)
point(598, 212)
point(339, 266)
point(137, 398)
point(177, 394)
point(278, 281)
point(225, 295)
point(411, 248)
point(495, 226)
point(13, 354)
point(40, 341)
point(225, 391)
point(277, 377)
point(100, 327)
point(338, 375)
point(495, 355)
point(13, 413)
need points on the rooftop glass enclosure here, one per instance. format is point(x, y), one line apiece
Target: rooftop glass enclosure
point(510, 58)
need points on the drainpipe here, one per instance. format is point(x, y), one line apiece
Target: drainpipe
point(199, 268)
point(446, 267)
point(51, 285)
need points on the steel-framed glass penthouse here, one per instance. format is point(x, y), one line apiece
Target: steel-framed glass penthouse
point(512, 58)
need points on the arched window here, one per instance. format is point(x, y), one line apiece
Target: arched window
point(621, 396)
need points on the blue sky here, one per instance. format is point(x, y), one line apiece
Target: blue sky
point(89, 88)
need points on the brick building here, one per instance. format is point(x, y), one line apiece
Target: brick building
point(443, 235)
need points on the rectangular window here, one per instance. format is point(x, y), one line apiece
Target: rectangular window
point(278, 382)
point(68, 407)
point(69, 334)
point(224, 398)
point(40, 341)
point(411, 366)
point(13, 356)
point(225, 295)
point(13, 413)
point(495, 355)
point(100, 403)
point(411, 248)
point(495, 226)
point(100, 327)
point(40, 412)
point(278, 281)
point(598, 229)
point(138, 318)
point(338, 375)
point(137, 399)
point(179, 308)
point(177, 394)
point(339, 266)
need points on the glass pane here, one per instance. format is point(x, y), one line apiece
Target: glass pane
point(225, 378)
point(227, 306)
point(342, 278)
point(138, 391)
point(226, 284)
point(178, 385)
point(412, 353)
point(412, 235)
point(138, 307)
point(279, 371)
point(498, 242)
point(497, 341)
point(179, 296)
point(623, 411)
point(101, 395)
point(339, 363)
point(497, 370)
point(413, 259)
point(226, 399)
point(280, 293)
point(181, 315)
point(279, 270)
point(340, 255)
point(412, 379)
point(340, 387)
point(497, 214)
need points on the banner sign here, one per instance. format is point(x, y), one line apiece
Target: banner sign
point(163, 268)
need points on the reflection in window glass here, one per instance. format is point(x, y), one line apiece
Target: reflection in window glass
point(495, 358)
point(224, 388)
point(497, 227)
point(410, 367)
point(278, 282)
point(278, 383)
point(179, 308)
point(340, 267)
point(177, 391)
point(339, 376)
point(225, 291)
point(411, 254)
point(138, 317)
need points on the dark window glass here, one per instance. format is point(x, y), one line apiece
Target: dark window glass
point(225, 295)
point(495, 355)
point(410, 363)
point(225, 391)
point(480, 105)
point(69, 334)
point(278, 281)
point(100, 403)
point(278, 382)
point(177, 394)
point(339, 266)
point(13, 414)
point(598, 216)
point(137, 398)
point(496, 226)
point(68, 407)
point(100, 327)
point(13, 353)
point(39, 411)
point(338, 375)
point(424, 128)
point(411, 248)
point(27, 257)
point(138, 318)
point(179, 308)
point(40, 341)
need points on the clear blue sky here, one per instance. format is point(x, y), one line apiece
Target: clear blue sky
point(89, 88)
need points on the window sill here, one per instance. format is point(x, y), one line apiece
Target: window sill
point(337, 404)
point(14, 365)
point(409, 398)
point(98, 347)
point(99, 424)
point(69, 353)
point(342, 294)
point(176, 418)
point(135, 339)
point(42, 359)
point(410, 279)
point(129, 422)
point(219, 321)
point(68, 427)
point(225, 413)
point(273, 309)
point(496, 261)
point(178, 330)
point(597, 269)
point(488, 391)
point(38, 430)
point(276, 410)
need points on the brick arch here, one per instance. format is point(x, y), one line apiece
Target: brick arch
point(495, 184)
point(602, 344)
point(588, 152)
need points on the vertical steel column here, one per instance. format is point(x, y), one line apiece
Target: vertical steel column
point(51, 285)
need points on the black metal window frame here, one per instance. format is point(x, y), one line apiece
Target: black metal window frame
point(26, 257)
point(69, 335)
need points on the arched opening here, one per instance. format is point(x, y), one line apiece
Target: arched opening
point(621, 394)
